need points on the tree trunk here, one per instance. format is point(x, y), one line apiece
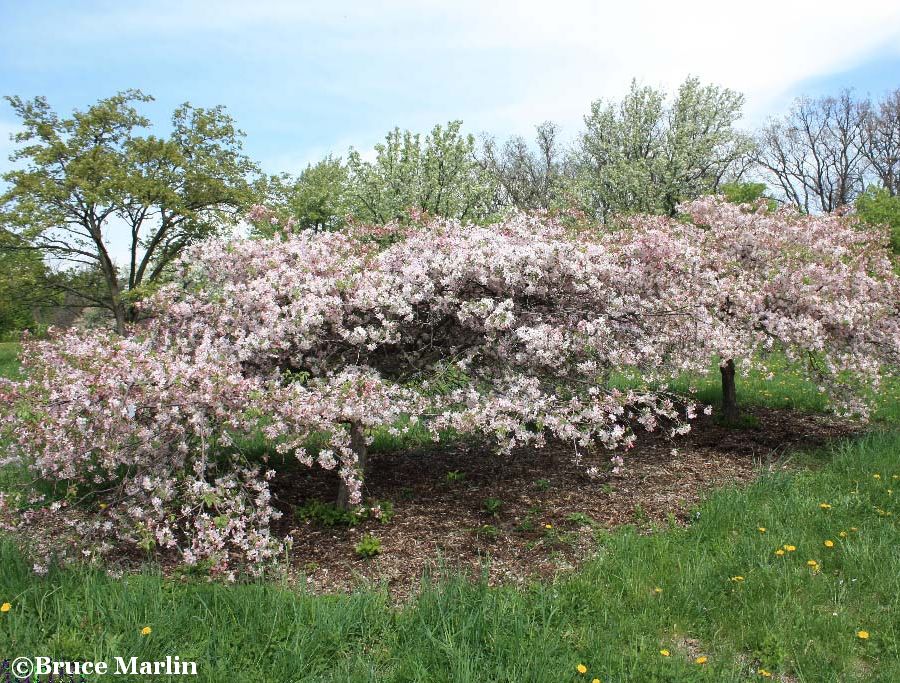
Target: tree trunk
point(119, 312)
point(358, 444)
point(730, 411)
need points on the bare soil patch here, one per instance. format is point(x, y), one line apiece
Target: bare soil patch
point(541, 526)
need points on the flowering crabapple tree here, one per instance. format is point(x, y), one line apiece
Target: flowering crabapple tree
point(820, 289)
point(322, 337)
point(510, 331)
point(524, 315)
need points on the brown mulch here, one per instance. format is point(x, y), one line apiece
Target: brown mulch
point(439, 522)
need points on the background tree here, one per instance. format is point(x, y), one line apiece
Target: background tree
point(877, 206)
point(528, 178)
point(880, 141)
point(316, 199)
point(813, 154)
point(640, 155)
point(24, 285)
point(438, 175)
point(95, 179)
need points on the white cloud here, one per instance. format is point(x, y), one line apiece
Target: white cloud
point(506, 65)
point(574, 51)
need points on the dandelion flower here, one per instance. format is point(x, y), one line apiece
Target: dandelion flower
point(146, 631)
point(812, 563)
point(581, 668)
point(5, 607)
point(779, 552)
point(764, 673)
point(596, 680)
point(825, 506)
point(853, 528)
point(842, 534)
point(666, 653)
point(701, 660)
point(761, 529)
point(737, 579)
point(862, 635)
point(548, 526)
point(829, 543)
point(790, 548)
point(657, 590)
point(876, 476)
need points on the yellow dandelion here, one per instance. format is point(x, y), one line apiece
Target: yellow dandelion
point(825, 506)
point(548, 526)
point(853, 528)
point(5, 607)
point(779, 552)
point(103, 506)
point(790, 548)
point(876, 476)
point(581, 668)
point(701, 660)
point(842, 534)
point(829, 543)
point(862, 635)
point(657, 590)
point(812, 563)
point(761, 529)
point(664, 653)
point(764, 673)
point(146, 631)
point(737, 579)
point(596, 680)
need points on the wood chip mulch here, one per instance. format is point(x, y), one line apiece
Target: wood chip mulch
point(440, 522)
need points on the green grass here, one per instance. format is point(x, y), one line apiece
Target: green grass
point(787, 389)
point(9, 363)
point(783, 616)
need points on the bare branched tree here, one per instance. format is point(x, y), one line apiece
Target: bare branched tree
point(881, 141)
point(528, 178)
point(814, 153)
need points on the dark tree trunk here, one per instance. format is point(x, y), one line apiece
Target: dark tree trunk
point(121, 317)
point(730, 411)
point(358, 444)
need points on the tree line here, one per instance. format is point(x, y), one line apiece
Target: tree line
point(101, 174)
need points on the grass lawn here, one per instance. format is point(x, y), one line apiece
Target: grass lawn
point(782, 616)
point(9, 365)
point(644, 609)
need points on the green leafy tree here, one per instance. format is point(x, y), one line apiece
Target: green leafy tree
point(24, 285)
point(316, 199)
point(644, 155)
point(98, 178)
point(877, 206)
point(438, 175)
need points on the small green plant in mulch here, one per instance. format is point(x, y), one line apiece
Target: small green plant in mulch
point(330, 515)
point(492, 506)
point(368, 546)
point(487, 531)
point(454, 476)
point(580, 519)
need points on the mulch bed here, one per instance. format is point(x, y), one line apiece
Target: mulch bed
point(442, 523)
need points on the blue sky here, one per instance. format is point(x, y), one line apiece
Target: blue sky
point(306, 78)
